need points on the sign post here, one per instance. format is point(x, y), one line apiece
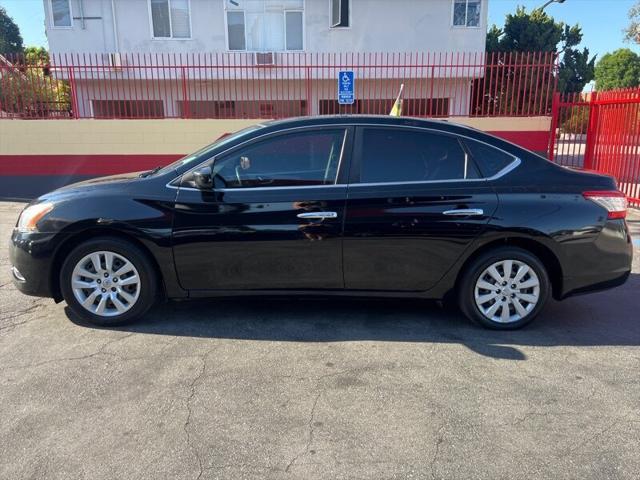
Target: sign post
point(346, 87)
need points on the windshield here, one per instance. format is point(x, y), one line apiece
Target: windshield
point(205, 150)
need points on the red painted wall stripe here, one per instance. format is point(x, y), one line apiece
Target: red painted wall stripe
point(98, 165)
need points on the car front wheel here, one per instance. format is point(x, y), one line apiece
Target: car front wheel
point(504, 289)
point(108, 281)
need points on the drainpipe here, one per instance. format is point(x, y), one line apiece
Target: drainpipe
point(115, 26)
point(84, 26)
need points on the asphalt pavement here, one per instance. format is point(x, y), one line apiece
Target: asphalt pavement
point(319, 389)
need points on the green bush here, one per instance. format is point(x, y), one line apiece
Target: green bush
point(577, 122)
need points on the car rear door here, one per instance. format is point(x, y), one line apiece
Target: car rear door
point(415, 203)
point(273, 219)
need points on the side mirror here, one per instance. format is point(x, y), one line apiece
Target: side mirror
point(203, 178)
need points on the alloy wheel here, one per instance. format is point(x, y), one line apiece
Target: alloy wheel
point(105, 283)
point(507, 291)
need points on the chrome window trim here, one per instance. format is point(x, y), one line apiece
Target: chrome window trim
point(512, 166)
point(516, 162)
point(251, 189)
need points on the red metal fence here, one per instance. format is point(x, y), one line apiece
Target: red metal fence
point(275, 85)
point(600, 131)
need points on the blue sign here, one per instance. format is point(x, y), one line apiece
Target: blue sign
point(346, 95)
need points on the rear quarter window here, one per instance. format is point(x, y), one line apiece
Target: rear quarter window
point(489, 160)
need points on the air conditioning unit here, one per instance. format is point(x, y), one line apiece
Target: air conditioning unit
point(115, 61)
point(265, 58)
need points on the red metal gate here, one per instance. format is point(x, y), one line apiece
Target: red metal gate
point(600, 131)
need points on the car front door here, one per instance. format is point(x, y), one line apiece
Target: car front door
point(415, 203)
point(273, 219)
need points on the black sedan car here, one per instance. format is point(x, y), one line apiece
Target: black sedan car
point(348, 205)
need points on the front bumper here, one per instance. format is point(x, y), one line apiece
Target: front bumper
point(30, 257)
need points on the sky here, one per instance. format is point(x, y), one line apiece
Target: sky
point(602, 21)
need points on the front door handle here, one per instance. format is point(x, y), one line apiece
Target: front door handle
point(318, 215)
point(464, 212)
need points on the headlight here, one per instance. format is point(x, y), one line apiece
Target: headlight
point(30, 216)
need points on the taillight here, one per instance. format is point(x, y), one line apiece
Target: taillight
point(614, 201)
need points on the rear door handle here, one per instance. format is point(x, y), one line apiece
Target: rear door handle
point(464, 212)
point(318, 215)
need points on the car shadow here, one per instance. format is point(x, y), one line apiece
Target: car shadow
point(606, 318)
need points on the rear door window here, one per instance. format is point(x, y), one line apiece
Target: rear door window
point(391, 155)
point(489, 160)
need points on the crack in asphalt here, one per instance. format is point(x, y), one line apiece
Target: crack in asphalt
point(192, 394)
point(187, 422)
point(434, 459)
point(36, 304)
point(100, 351)
point(310, 429)
point(593, 437)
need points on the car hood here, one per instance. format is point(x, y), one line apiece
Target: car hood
point(94, 185)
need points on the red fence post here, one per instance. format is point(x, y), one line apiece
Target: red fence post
point(185, 99)
point(308, 81)
point(555, 118)
point(74, 94)
point(592, 130)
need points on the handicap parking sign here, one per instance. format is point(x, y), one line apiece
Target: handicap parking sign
point(346, 94)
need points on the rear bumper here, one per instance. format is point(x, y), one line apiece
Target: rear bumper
point(601, 263)
point(589, 284)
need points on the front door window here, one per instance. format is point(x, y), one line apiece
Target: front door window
point(291, 159)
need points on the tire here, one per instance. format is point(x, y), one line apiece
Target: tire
point(124, 302)
point(487, 306)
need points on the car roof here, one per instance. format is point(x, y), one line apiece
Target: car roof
point(366, 119)
point(388, 120)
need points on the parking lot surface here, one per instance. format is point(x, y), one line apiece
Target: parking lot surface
point(319, 389)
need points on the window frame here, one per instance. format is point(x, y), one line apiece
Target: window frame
point(339, 181)
point(60, 27)
point(284, 28)
point(171, 37)
point(349, 166)
point(339, 27)
point(466, 13)
point(356, 159)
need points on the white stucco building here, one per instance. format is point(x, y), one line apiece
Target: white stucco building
point(284, 54)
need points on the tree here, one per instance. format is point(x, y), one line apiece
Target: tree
point(10, 38)
point(632, 32)
point(539, 32)
point(36, 56)
point(619, 69)
point(28, 88)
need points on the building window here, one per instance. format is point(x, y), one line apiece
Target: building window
point(235, 28)
point(265, 25)
point(339, 13)
point(61, 13)
point(170, 18)
point(293, 30)
point(466, 13)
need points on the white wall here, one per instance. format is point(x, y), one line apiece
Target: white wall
point(376, 26)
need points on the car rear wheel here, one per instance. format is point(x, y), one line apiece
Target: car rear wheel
point(504, 289)
point(108, 281)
